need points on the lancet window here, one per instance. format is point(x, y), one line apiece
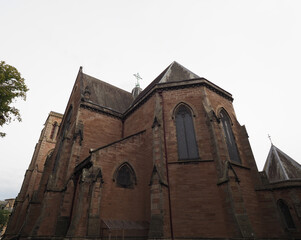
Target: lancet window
point(125, 176)
point(187, 146)
point(229, 136)
point(53, 130)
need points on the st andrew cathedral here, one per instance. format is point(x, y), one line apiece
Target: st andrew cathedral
point(168, 162)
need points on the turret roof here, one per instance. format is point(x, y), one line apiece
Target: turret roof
point(175, 72)
point(280, 167)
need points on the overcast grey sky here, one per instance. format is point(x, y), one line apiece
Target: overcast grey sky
point(251, 49)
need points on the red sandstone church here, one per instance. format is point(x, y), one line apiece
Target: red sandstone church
point(168, 162)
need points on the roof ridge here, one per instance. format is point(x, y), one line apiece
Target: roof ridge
point(294, 162)
point(185, 68)
point(280, 161)
point(281, 167)
point(167, 70)
point(151, 85)
point(268, 161)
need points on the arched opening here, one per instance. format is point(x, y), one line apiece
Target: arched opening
point(187, 146)
point(229, 136)
point(53, 130)
point(125, 176)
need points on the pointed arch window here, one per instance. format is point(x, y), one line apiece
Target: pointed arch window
point(286, 214)
point(187, 146)
point(54, 130)
point(125, 176)
point(229, 136)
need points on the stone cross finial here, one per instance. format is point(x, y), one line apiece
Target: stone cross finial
point(137, 76)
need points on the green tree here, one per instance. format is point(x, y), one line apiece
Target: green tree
point(12, 86)
point(4, 215)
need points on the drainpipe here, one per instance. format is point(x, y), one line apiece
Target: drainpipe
point(166, 165)
point(122, 128)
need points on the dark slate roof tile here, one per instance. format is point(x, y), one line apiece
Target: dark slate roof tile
point(175, 72)
point(106, 95)
point(281, 167)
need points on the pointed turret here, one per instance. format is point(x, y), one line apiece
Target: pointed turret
point(281, 167)
point(136, 91)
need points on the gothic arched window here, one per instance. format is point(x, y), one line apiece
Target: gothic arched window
point(187, 146)
point(229, 137)
point(286, 214)
point(53, 131)
point(125, 176)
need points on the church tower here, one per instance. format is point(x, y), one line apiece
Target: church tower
point(28, 193)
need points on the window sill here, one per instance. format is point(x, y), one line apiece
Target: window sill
point(190, 161)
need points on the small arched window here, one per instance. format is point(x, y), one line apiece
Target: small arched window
point(125, 176)
point(286, 214)
point(187, 146)
point(53, 130)
point(229, 136)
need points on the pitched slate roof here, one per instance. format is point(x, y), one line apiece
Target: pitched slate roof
point(175, 72)
point(281, 167)
point(116, 99)
point(106, 95)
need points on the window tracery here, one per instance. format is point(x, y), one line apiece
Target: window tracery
point(125, 176)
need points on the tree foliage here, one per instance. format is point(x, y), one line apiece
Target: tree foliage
point(12, 86)
point(4, 215)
